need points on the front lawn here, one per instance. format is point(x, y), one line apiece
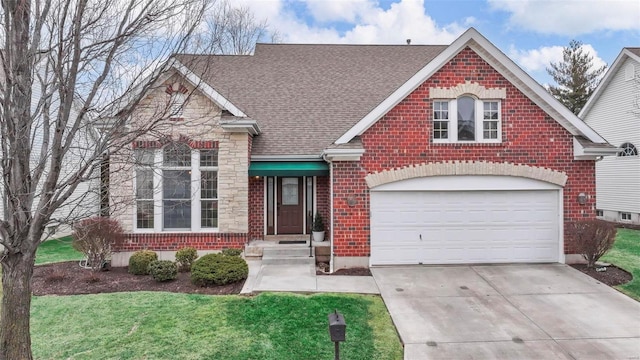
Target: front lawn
point(626, 255)
point(57, 250)
point(157, 325)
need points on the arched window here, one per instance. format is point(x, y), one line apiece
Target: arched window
point(467, 119)
point(628, 149)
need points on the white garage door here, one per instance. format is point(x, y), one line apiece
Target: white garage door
point(456, 227)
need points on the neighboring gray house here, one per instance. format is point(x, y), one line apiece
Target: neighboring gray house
point(85, 200)
point(614, 112)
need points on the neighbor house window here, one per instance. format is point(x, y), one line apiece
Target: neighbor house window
point(474, 120)
point(183, 188)
point(625, 216)
point(599, 213)
point(628, 149)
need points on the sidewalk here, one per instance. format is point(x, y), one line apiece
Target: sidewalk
point(302, 278)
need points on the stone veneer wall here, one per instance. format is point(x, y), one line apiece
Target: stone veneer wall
point(403, 137)
point(200, 123)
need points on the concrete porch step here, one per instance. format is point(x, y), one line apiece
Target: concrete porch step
point(286, 256)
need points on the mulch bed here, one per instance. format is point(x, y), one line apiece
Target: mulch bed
point(612, 276)
point(68, 278)
point(323, 269)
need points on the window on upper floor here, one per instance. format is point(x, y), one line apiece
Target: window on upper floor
point(628, 149)
point(176, 188)
point(467, 119)
point(177, 102)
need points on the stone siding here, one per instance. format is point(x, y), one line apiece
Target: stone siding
point(200, 124)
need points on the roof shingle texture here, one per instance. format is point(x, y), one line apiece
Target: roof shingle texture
point(635, 50)
point(304, 97)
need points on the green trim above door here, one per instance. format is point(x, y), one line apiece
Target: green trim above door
point(288, 168)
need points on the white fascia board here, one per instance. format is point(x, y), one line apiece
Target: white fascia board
point(343, 154)
point(244, 125)
point(286, 158)
point(585, 153)
point(613, 69)
point(533, 89)
point(405, 89)
point(466, 39)
point(215, 96)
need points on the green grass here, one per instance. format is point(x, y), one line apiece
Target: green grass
point(57, 250)
point(626, 254)
point(146, 325)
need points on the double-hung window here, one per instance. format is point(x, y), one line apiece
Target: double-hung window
point(144, 188)
point(467, 120)
point(181, 192)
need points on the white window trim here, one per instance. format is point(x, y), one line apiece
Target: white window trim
point(622, 214)
point(479, 122)
point(620, 153)
point(158, 216)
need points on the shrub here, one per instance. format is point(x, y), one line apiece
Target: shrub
point(96, 237)
point(185, 258)
point(593, 238)
point(140, 260)
point(318, 223)
point(163, 270)
point(218, 269)
point(232, 252)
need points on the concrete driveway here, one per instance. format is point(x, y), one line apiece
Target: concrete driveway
point(508, 312)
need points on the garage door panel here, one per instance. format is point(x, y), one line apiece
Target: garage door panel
point(464, 227)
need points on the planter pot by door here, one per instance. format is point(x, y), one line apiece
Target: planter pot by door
point(318, 235)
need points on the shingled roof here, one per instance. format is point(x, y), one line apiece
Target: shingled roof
point(634, 50)
point(306, 96)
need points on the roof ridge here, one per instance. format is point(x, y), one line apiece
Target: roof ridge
point(349, 45)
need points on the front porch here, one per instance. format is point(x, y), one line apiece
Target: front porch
point(284, 198)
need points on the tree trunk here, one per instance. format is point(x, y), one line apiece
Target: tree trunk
point(15, 336)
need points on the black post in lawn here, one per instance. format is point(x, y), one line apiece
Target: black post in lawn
point(337, 331)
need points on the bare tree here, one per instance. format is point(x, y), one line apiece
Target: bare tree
point(64, 65)
point(232, 30)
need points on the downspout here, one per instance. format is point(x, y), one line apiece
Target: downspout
point(324, 157)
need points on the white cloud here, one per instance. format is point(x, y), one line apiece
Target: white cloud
point(360, 22)
point(339, 10)
point(571, 17)
point(539, 59)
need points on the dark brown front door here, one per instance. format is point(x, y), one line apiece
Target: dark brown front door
point(289, 207)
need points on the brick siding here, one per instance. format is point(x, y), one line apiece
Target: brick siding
point(404, 137)
point(176, 241)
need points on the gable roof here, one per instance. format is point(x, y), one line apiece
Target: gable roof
point(626, 53)
point(498, 60)
point(308, 95)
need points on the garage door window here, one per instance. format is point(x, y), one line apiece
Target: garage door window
point(474, 120)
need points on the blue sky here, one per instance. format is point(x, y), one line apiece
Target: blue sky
point(531, 32)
